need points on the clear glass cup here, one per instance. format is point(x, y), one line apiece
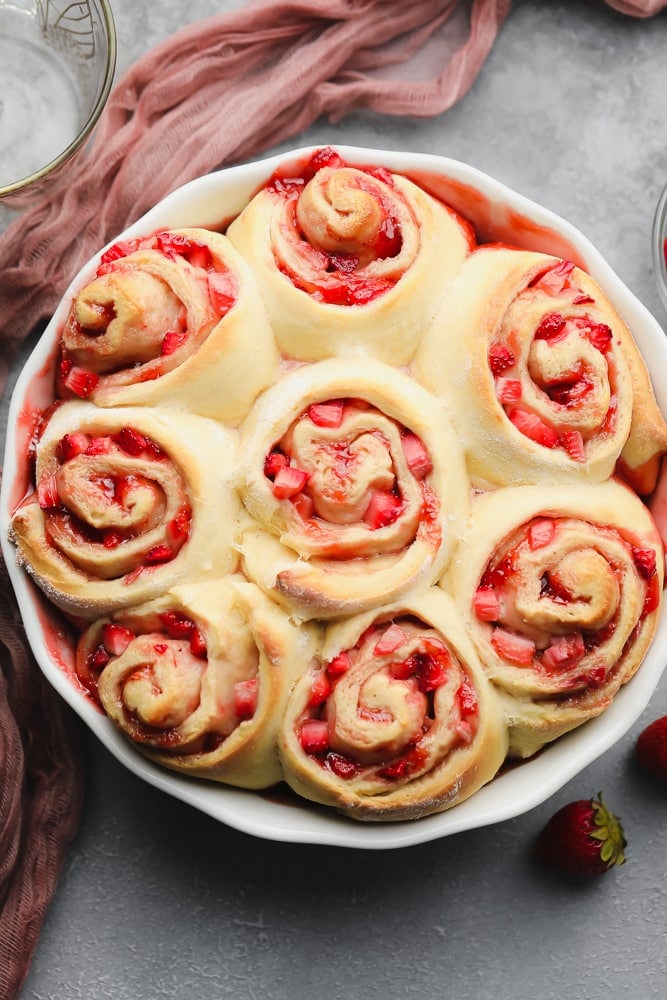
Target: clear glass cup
point(57, 61)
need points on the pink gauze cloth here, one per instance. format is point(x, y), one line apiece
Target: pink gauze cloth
point(218, 91)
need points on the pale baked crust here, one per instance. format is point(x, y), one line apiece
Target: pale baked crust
point(175, 492)
point(181, 327)
point(343, 208)
point(333, 562)
point(576, 571)
point(207, 704)
point(523, 333)
point(400, 746)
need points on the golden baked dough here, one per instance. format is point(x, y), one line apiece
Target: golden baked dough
point(198, 678)
point(354, 484)
point(561, 589)
point(397, 720)
point(349, 260)
point(541, 376)
point(173, 319)
point(128, 502)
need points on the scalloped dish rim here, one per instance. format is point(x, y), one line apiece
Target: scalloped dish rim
point(208, 201)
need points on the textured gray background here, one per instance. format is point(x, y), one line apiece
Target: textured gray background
point(157, 900)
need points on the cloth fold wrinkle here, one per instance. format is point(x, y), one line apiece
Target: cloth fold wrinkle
point(239, 84)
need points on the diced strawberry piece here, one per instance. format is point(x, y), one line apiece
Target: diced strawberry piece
point(402, 669)
point(653, 595)
point(467, 698)
point(159, 554)
point(288, 482)
point(432, 673)
point(500, 358)
point(160, 648)
point(345, 263)
point(383, 509)
point(71, 445)
point(314, 736)
point(406, 765)
point(176, 624)
point(341, 765)
point(486, 604)
point(551, 327)
point(518, 649)
point(123, 248)
point(198, 645)
point(556, 279)
point(464, 731)
point(175, 244)
point(245, 698)
point(172, 340)
point(600, 336)
point(178, 528)
point(391, 639)
point(339, 665)
point(320, 689)
point(81, 382)
point(116, 638)
point(329, 414)
point(304, 506)
point(596, 677)
point(131, 441)
point(99, 446)
point(388, 241)
point(508, 390)
point(416, 455)
point(98, 659)
point(325, 157)
point(573, 443)
point(47, 492)
point(645, 561)
point(532, 427)
point(564, 652)
point(222, 289)
point(201, 257)
point(111, 538)
point(274, 462)
point(541, 532)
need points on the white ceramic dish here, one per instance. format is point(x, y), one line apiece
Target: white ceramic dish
point(499, 214)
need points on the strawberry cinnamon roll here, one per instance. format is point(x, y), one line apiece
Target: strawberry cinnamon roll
point(541, 375)
point(198, 678)
point(126, 503)
point(173, 319)
point(349, 259)
point(354, 485)
point(397, 720)
point(561, 589)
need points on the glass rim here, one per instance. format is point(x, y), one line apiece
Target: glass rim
point(16, 187)
point(659, 241)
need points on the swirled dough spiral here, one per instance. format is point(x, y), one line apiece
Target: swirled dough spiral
point(173, 319)
point(349, 260)
point(128, 502)
point(397, 720)
point(354, 485)
point(198, 678)
point(561, 589)
point(540, 374)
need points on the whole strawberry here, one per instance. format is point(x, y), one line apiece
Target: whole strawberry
point(583, 839)
point(651, 748)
